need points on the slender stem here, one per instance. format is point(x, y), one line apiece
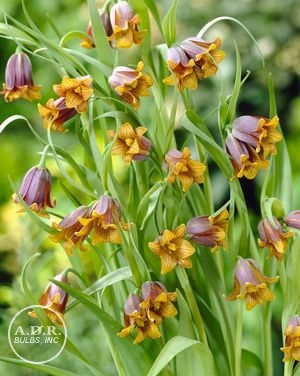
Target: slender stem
point(267, 340)
point(238, 339)
point(42, 163)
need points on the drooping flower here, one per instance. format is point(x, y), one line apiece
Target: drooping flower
point(274, 237)
point(173, 249)
point(131, 144)
point(136, 319)
point(76, 92)
point(35, 191)
point(186, 169)
point(130, 84)
point(69, 229)
point(103, 222)
point(125, 26)
point(209, 231)
point(244, 159)
point(193, 60)
point(259, 132)
point(158, 301)
point(18, 79)
point(291, 347)
point(292, 219)
point(251, 284)
point(54, 298)
point(55, 113)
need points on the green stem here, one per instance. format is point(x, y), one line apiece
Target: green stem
point(184, 281)
point(267, 340)
point(42, 163)
point(238, 339)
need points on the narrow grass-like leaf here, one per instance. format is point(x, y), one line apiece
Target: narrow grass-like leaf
point(169, 24)
point(11, 32)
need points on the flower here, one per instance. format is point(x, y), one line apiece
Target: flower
point(54, 298)
point(251, 284)
point(76, 92)
point(209, 231)
point(69, 228)
point(291, 347)
point(157, 301)
point(130, 143)
point(292, 219)
point(193, 60)
point(18, 79)
point(186, 169)
point(125, 26)
point(130, 84)
point(244, 159)
point(259, 132)
point(135, 318)
point(274, 237)
point(55, 113)
point(35, 191)
point(173, 249)
point(103, 222)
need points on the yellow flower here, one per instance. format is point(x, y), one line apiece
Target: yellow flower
point(173, 249)
point(76, 92)
point(130, 84)
point(130, 143)
point(291, 347)
point(125, 26)
point(186, 169)
point(251, 284)
point(273, 237)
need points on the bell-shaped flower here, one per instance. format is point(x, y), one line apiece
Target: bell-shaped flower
point(291, 347)
point(18, 79)
point(292, 219)
point(35, 191)
point(251, 284)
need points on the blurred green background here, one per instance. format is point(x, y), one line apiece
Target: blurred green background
point(276, 26)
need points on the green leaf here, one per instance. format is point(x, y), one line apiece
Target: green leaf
point(176, 345)
point(251, 361)
point(169, 24)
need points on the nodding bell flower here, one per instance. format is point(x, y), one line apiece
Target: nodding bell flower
point(18, 79)
point(69, 228)
point(292, 219)
point(251, 284)
point(130, 143)
point(209, 231)
point(192, 60)
point(124, 25)
point(173, 249)
point(54, 298)
point(35, 191)
point(131, 84)
point(259, 132)
point(103, 222)
point(291, 347)
point(55, 113)
point(186, 169)
point(136, 320)
point(274, 237)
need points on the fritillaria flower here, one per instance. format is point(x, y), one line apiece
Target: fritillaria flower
point(244, 158)
point(136, 319)
point(54, 298)
point(69, 228)
point(130, 143)
point(130, 84)
point(173, 249)
point(209, 231)
point(193, 60)
point(103, 222)
point(35, 191)
point(259, 132)
point(251, 284)
point(186, 169)
point(158, 301)
point(291, 347)
point(55, 113)
point(292, 219)
point(273, 236)
point(125, 26)
point(18, 79)
point(76, 92)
